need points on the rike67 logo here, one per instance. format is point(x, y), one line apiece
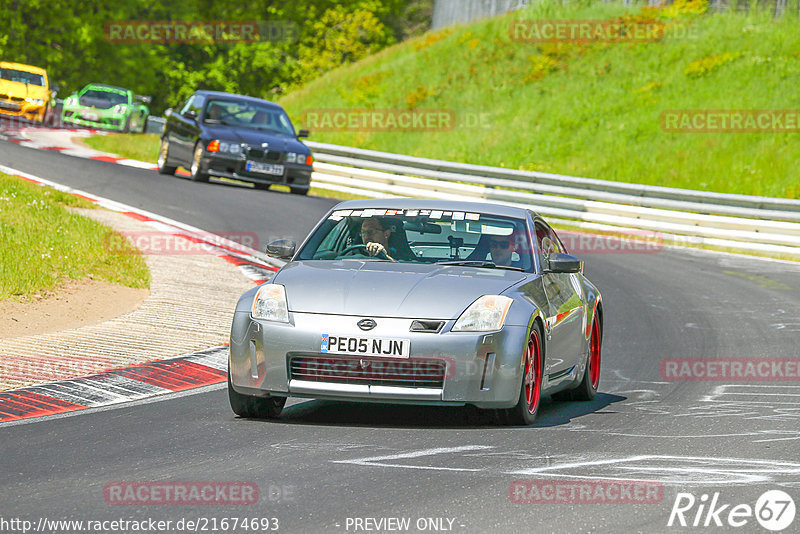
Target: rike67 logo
point(774, 510)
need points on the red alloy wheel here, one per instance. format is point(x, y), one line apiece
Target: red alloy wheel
point(533, 367)
point(594, 356)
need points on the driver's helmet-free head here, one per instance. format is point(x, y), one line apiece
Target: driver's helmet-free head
point(214, 112)
point(260, 117)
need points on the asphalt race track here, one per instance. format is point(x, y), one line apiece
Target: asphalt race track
point(328, 466)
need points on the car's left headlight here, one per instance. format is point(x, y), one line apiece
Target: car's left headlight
point(119, 108)
point(486, 314)
point(270, 304)
point(34, 101)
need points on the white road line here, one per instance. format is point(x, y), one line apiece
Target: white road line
point(377, 461)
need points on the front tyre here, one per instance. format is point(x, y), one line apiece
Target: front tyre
point(254, 407)
point(298, 190)
point(196, 170)
point(163, 158)
point(524, 413)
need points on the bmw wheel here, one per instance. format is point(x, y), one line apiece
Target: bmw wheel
point(196, 170)
point(163, 158)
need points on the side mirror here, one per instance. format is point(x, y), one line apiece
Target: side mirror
point(168, 112)
point(191, 115)
point(303, 133)
point(565, 263)
point(281, 248)
point(54, 89)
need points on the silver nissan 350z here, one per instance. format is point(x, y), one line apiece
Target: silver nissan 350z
point(423, 302)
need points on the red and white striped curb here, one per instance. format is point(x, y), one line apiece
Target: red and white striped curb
point(146, 380)
point(32, 138)
point(116, 386)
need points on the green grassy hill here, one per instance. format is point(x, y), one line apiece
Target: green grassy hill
point(586, 109)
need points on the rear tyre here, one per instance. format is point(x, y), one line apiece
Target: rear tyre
point(197, 173)
point(587, 389)
point(524, 413)
point(163, 159)
point(254, 407)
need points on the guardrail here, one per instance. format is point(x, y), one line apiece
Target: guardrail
point(736, 222)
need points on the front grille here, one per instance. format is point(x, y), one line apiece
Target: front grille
point(412, 373)
point(259, 154)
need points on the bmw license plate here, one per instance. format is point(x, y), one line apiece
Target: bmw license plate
point(365, 346)
point(264, 168)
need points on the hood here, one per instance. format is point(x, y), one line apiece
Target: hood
point(255, 137)
point(18, 89)
point(386, 289)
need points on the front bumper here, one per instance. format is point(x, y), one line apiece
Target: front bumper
point(482, 369)
point(105, 120)
point(23, 110)
point(220, 166)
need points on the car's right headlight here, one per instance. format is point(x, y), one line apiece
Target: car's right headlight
point(486, 314)
point(270, 304)
point(70, 101)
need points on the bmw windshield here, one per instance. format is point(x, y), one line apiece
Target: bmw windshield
point(245, 114)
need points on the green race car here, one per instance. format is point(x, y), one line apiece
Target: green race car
point(104, 106)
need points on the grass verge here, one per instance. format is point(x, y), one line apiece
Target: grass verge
point(141, 147)
point(589, 109)
point(44, 243)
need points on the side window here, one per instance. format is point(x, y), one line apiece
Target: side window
point(547, 243)
point(197, 104)
point(187, 106)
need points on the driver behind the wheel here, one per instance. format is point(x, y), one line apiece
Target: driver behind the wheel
point(214, 113)
point(375, 236)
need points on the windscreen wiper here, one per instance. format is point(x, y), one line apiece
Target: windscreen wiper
point(479, 263)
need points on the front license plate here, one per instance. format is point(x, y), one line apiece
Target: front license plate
point(365, 346)
point(89, 116)
point(264, 168)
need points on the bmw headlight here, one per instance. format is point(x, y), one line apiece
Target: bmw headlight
point(486, 314)
point(270, 304)
point(291, 157)
point(230, 148)
point(34, 101)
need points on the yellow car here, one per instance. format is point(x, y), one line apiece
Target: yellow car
point(24, 91)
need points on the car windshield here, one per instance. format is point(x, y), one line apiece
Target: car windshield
point(422, 236)
point(112, 97)
point(22, 77)
point(248, 115)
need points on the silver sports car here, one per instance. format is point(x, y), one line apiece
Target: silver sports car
point(421, 302)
